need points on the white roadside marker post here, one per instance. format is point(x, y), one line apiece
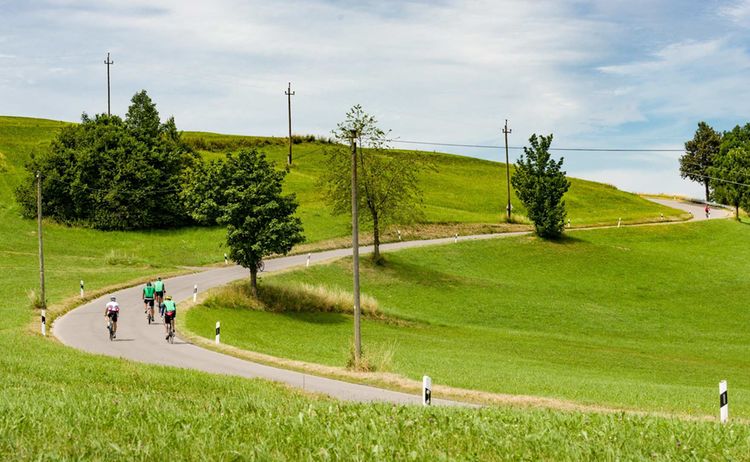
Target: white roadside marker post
point(307, 264)
point(399, 234)
point(455, 238)
point(44, 322)
point(218, 332)
point(426, 390)
point(81, 288)
point(568, 222)
point(226, 260)
point(195, 293)
point(723, 402)
point(619, 222)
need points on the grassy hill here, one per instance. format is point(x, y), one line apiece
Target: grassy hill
point(647, 318)
point(462, 194)
point(63, 404)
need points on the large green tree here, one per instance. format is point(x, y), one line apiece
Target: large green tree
point(730, 177)
point(699, 156)
point(540, 184)
point(260, 220)
point(111, 173)
point(387, 183)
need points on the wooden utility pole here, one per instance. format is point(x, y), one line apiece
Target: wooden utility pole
point(289, 93)
point(108, 62)
point(39, 232)
point(506, 130)
point(355, 252)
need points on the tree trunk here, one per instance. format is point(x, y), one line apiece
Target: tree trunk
point(708, 194)
point(254, 281)
point(375, 238)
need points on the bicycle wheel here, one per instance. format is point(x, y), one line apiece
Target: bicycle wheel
point(111, 331)
point(261, 266)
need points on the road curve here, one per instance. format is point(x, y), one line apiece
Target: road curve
point(84, 327)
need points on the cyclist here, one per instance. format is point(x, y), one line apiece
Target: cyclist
point(159, 290)
point(111, 311)
point(170, 312)
point(148, 299)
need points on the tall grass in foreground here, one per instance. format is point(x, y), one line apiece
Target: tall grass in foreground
point(58, 404)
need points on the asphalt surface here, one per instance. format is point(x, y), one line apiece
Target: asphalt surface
point(85, 327)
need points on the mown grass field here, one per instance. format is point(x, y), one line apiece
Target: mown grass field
point(57, 403)
point(645, 318)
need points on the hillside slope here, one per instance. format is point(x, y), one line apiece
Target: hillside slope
point(459, 191)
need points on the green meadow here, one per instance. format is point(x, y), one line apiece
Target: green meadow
point(57, 403)
point(644, 318)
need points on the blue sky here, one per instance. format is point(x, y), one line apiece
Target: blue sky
point(620, 74)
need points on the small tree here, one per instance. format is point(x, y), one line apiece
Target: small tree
point(260, 220)
point(730, 175)
point(388, 185)
point(540, 184)
point(699, 155)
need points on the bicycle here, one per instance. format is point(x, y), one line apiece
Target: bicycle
point(170, 335)
point(261, 266)
point(111, 330)
point(150, 315)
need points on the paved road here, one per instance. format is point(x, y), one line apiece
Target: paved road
point(84, 327)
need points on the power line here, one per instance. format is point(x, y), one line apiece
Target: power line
point(488, 146)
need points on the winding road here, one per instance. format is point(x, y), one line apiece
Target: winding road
point(84, 327)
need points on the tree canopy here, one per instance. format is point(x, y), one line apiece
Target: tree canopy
point(387, 186)
point(540, 184)
point(699, 156)
point(260, 220)
point(730, 171)
point(111, 173)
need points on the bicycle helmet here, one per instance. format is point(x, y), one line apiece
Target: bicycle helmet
point(168, 297)
point(113, 298)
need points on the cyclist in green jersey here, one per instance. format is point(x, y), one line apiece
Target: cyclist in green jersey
point(170, 312)
point(148, 299)
point(159, 290)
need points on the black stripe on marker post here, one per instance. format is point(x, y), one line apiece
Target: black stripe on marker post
point(723, 399)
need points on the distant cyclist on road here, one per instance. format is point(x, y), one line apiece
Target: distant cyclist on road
point(148, 298)
point(111, 311)
point(708, 211)
point(170, 312)
point(159, 290)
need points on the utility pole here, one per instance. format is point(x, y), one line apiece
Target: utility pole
point(39, 232)
point(355, 251)
point(108, 62)
point(506, 130)
point(289, 93)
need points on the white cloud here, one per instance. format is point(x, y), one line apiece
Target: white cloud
point(738, 11)
point(447, 71)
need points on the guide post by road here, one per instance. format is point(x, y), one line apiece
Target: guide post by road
point(426, 390)
point(723, 402)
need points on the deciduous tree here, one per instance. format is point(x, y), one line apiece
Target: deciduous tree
point(260, 220)
point(388, 184)
point(699, 155)
point(541, 184)
point(730, 177)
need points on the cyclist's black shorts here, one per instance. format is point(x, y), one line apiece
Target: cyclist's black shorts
point(150, 301)
point(113, 315)
point(159, 294)
point(168, 317)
